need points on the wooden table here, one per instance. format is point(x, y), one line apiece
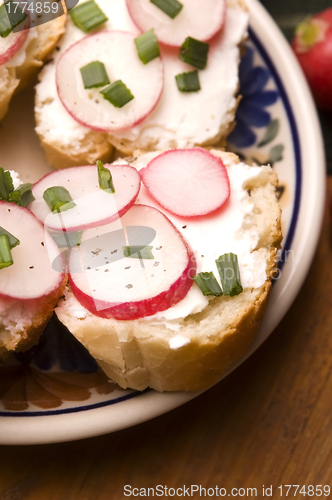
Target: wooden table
point(268, 423)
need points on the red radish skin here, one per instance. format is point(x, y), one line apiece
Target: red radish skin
point(117, 51)
point(313, 48)
point(187, 182)
point(159, 299)
point(12, 43)
point(94, 206)
point(31, 276)
point(201, 19)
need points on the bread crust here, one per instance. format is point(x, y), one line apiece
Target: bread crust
point(138, 353)
point(14, 79)
point(8, 85)
point(42, 311)
point(95, 147)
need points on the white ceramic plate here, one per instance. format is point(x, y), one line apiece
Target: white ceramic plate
point(278, 123)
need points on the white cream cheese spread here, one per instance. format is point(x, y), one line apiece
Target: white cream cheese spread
point(228, 229)
point(15, 318)
point(179, 119)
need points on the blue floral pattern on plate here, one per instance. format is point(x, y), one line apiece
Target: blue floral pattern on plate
point(251, 111)
point(57, 345)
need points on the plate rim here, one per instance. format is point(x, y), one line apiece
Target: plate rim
point(52, 428)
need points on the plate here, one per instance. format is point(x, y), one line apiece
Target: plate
point(276, 123)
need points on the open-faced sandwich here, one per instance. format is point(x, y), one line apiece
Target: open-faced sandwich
point(30, 287)
point(128, 74)
point(23, 52)
point(168, 281)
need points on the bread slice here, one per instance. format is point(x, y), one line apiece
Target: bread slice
point(189, 352)
point(203, 118)
point(14, 77)
point(23, 321)
point(177, 121)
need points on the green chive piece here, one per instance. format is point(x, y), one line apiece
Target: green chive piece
point(13, 241)
point(6, 258)
point(58, 199)
point(229, 273)
point(171, 7)
point(208, 284)
point(10, 17)
point(22, 195)
point(117, 94)
point(87, 15)
point(6, 184)
point(147, 46)
point(94, 75)
point(5, 26)
point(105, 178)
point(67, 240)
point(188, 82)
point(138, 252)
point(194, 52)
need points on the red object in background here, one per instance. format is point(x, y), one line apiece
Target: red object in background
point(312, 45)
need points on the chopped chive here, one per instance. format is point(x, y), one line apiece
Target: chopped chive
point(14, 197)
point(87, 15)
point(22, 195)
point(147, 46)
point(94, 75)
point(105, 178)
point(15, 14)
point(6, 258)
point(138, 252)
point(208, 284)
point(6, 184)
point(229, 273)
point(117, 94)
point(58, 199)
point(5, 26)
point(170, 7)
point(188, 82)
point(10, 17)
point(194, 52)
point(67, 240)
point(13, 241)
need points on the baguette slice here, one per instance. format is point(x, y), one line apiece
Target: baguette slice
point(178, 120)
point(191, 352)
point(14, 77)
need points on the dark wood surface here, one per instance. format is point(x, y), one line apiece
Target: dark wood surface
point(268, 423)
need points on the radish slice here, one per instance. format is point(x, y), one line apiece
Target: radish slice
point(200, 19)
point(187, 182)
point(111, 285)
point(94, 206)
point(31, 276)
point(117, 51)
point(12, 43)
